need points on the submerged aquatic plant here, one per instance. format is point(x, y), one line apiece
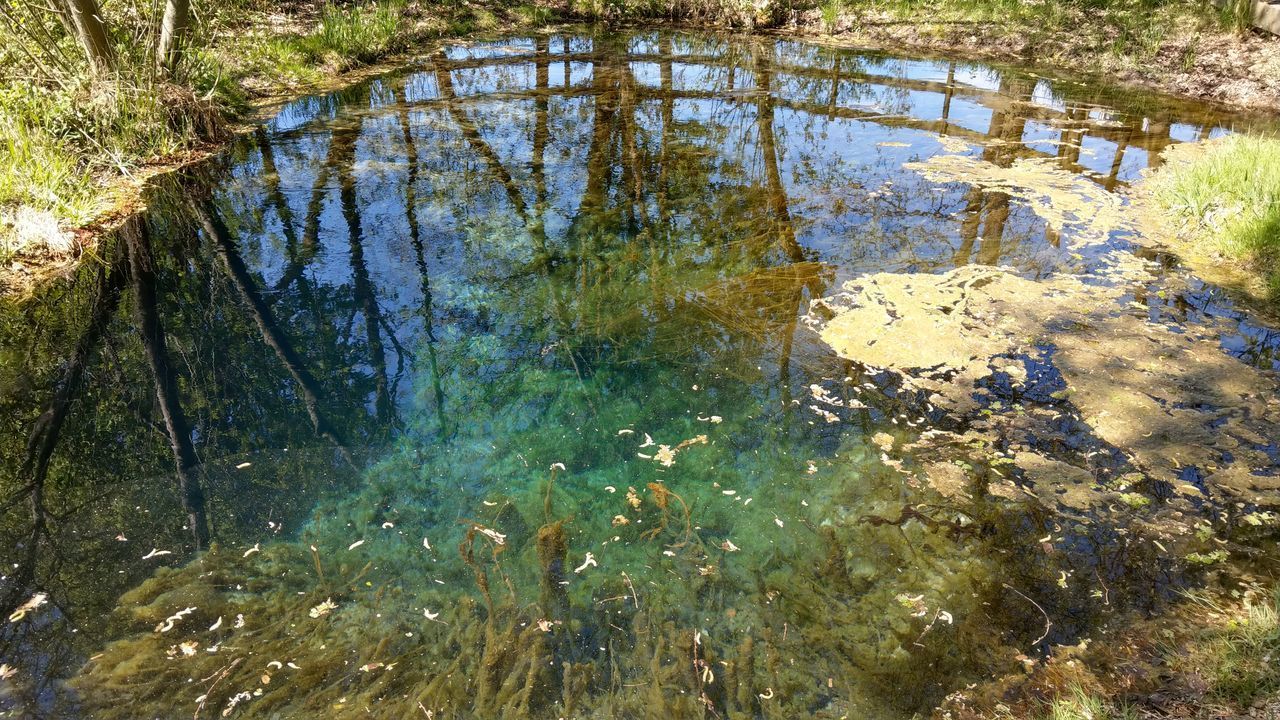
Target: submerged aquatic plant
point(699, 602)
point(1236, 654)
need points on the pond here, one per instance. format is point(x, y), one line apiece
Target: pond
point(528, 380)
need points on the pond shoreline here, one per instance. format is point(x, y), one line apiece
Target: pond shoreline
point(28, 271)
point(1232, 79)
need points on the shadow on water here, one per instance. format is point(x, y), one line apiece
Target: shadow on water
point(479, 390)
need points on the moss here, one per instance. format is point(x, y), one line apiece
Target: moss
point(552, 549)
point(1210, 558)
point(1135, 500)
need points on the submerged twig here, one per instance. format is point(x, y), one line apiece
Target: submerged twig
point(1047, 622)
point(315, 556)
point(551, 483)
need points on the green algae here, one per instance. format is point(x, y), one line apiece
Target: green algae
point(731, 582)
point(734, 613)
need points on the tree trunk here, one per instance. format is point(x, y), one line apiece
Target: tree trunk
point(91, 32)
point(777, 192)
point(143, 277)
point(173, 30)
point(420, 255)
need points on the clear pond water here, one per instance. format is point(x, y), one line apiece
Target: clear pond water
point(486, 385)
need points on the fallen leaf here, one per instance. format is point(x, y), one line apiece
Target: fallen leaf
point(167, 624)
point(31, 604)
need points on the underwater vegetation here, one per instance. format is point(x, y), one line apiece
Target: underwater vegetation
point(651, 559)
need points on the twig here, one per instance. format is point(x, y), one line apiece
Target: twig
point(927, 628)
point(209, 691)
point(635, 598)
point(1047, 622)
point(315, 555)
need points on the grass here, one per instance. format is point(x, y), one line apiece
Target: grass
point(1235, 14)
point(348, 37)
point(1217, 656)
point(1238, 655)
point(1073, 703)
point(1078, 704)
point(831, 11)
point(1146, 37)
point(1227, 194)
point(345, 37)
point(1228, 662)
point(64, 135)
point(56, 141)
point(35, 168)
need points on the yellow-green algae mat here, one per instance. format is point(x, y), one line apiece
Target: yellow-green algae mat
point(1168, 398)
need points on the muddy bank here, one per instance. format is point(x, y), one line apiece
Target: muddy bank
point(1237, 70)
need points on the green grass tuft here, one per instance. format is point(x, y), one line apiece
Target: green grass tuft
point(1229, 195)
point(1237, 658)
point(358, 34)
point(1075, 703)
point(1080, 705)
point(831, 10)
point(55, 141)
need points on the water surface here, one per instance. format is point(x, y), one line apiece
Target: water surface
point(487, 382)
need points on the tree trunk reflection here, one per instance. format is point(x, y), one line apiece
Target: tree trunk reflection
point(151, 330)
